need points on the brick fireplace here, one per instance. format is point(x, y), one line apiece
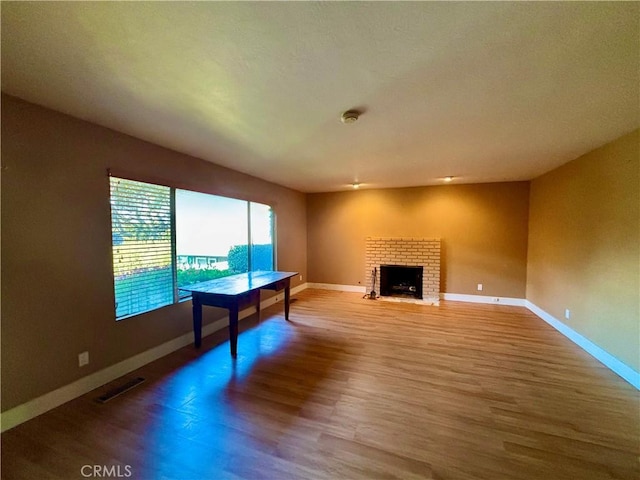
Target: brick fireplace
point(410, 252)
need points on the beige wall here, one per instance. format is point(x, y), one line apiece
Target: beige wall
point(57, 290)
point(584, 246)
point(483, 228)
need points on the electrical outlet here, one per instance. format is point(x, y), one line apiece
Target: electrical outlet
point(479, 287)
point(300, 277)
point(567, 313)
point(496, 299)
point(83, 359)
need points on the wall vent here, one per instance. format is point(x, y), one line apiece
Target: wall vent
point(114, 392)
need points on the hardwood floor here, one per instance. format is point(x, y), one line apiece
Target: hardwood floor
point(353, 389)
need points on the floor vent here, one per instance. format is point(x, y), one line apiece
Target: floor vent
point(114, 392)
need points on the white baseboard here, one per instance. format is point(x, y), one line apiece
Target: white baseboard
point(55, 398)
point(341, 288)
point(460, 297)
point(604, 357)
point(299, 288)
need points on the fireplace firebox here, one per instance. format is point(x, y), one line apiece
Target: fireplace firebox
point(401, 281)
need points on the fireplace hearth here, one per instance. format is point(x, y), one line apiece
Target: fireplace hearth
point(401, 281)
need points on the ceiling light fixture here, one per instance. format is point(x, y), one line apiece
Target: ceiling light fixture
point(355, 185)
point(448, 179)
point(350, 116)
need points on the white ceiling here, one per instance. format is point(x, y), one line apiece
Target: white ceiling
point(483, 91)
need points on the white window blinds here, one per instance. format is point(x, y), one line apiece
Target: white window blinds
point(143, 244)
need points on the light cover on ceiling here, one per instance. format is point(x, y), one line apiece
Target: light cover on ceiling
point(350, 116)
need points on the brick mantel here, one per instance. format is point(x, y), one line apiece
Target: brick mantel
point(409, 251)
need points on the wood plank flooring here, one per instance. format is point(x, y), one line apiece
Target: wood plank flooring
point(353, 389)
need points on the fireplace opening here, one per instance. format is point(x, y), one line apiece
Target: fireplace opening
point(401, 281)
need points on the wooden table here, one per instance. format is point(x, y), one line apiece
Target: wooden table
point(235, 293)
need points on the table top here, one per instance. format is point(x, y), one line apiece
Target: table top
point(238, 284)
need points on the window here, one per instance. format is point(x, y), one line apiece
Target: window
point(261, 237)
point(166, 238)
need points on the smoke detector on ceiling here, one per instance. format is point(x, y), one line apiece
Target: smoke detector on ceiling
point(350, 116)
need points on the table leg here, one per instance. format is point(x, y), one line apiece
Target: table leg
point(197, 321)
point(233, 329)
point(258, 304)
point(287, 297)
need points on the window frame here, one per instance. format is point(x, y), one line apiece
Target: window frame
point(177, 298)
